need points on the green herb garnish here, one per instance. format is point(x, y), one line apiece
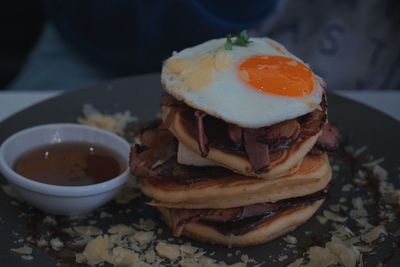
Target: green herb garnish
point(240, 39)
point(228, 43)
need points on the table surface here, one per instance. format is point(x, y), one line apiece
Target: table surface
point(387, 101)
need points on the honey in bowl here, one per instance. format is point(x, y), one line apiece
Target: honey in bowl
point(70, 164)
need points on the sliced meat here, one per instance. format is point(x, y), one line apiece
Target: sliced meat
point(235, 134)
point(201, 135)
point(259, 144)
point(312, 123)
point(329, 138)
point(257, 153)
point(256, 210)
point(137, 163)
point(148, 132)
point(156, 146)
point(280, 135)
point(180, 217)
point(241, 227)
point(155, 158)
point(239, 220)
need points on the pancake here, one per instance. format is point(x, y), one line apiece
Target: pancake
point(237, 162)
point(240, 157)
point(231, 190)
point(270, 229)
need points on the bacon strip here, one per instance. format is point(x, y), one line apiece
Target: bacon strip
point(202, 137)
point(258, 153)
point(235, 133)
point(259, 143)
point(147, 155)
point(280, 135)
point(155, 158)
point(312, 122)
point(181, 217)
point(223, 217)
point(329, 138)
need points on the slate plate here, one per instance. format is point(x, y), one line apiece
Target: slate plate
point(359, 124)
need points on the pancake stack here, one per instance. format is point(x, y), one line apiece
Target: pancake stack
point(217, 168)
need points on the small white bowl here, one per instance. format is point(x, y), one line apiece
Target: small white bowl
point(62, 200)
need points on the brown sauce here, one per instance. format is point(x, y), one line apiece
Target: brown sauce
point(244, 226)
point(69, 164)
point(372, 186)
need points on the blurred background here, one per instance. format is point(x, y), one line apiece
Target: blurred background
point(65, 45)
point(21, 24)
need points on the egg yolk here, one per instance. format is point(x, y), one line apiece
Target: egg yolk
point(277, 75)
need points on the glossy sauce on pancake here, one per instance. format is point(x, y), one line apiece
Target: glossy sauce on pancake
point(240, 226)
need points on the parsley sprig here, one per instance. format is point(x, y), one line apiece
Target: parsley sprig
point(240, 39)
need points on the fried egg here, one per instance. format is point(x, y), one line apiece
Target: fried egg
point(251, 86)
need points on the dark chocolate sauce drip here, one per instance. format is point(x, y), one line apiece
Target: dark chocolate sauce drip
point(36, 229)
point(372, 185)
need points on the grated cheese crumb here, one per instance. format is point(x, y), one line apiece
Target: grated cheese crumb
point(142, 237)
point(87, 230)
point(56, 244)
point(115, 123)
point(27, 257)
point(374, 233)
point(22, 250)
point(347, 187)
point(296, 263)
point(283, 257)
point(124, 257)
point(373, 163)
point(42, 242)
point(169, 251)
point(121, 229)
point(145, 224)
point(96, 251)
point(290, 239)
point(8, 190)
point(320, 257)
point(49, 220)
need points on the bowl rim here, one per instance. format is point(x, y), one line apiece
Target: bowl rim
point(59, 190)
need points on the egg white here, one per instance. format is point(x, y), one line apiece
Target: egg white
point(229, 98)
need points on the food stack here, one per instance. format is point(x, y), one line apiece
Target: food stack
point(239, 157)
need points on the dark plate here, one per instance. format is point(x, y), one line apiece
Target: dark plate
point(359, 124)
